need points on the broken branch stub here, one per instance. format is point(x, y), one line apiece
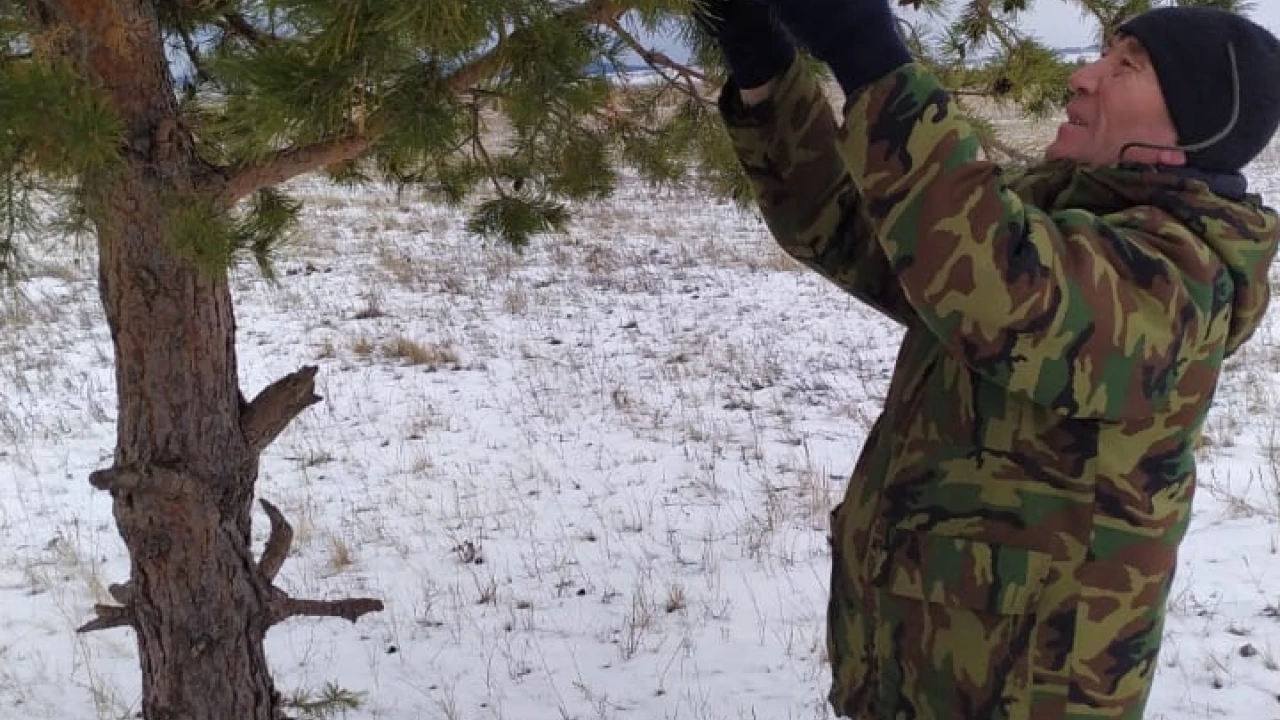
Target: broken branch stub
point(271, 411)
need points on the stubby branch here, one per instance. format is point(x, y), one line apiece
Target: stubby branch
point(278, 543)
point(263, 419)
point(109, 616)
point(282, 606)
point(351, 609)
point(167, 480)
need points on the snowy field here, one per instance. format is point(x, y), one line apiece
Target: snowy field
point(590, 481)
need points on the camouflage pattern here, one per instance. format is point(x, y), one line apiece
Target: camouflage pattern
point(1006, 545)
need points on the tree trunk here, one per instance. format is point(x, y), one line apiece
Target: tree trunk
point(183, 474)
point(187, 445)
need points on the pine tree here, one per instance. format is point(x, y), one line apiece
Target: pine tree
point(164, 130)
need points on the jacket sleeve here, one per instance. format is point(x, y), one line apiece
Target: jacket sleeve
point(787, 147)
point(1085, 314)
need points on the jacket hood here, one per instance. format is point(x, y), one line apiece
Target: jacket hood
point(1241, 230)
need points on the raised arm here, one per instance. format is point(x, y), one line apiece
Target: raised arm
point(787, 145)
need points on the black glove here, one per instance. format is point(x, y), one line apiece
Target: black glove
point(755, 46)
point(857, 39)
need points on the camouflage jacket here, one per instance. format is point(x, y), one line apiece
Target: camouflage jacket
point(1009, 535)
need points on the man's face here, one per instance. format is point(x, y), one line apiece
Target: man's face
point(1117, 100)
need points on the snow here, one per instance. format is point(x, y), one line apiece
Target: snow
point(589, 481)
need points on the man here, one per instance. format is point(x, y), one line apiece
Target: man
point(1008, 538)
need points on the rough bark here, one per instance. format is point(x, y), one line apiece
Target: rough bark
point(186, 455)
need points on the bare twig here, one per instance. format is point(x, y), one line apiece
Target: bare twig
point(1011, 151)
point(655, 59)
point(479, 151)
point(193, 53)
point(238, 24)
point(278, 543)
point(263, 419)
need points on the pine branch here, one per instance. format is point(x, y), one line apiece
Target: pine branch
point(263, 419)
point(598, 12)
point(290, 163)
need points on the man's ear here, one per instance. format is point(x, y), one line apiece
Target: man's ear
point(1172, 158)
point(1153, 156)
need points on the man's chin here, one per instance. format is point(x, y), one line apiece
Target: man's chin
point(1064, 151)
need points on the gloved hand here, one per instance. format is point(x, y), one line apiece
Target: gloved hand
point(857, 39)
point(755, 46)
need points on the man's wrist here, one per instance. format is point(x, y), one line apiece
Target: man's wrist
point(759, 94)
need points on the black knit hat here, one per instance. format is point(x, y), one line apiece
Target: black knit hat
point(1188, 47)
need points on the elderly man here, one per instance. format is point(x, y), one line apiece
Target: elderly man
point(1008, 538)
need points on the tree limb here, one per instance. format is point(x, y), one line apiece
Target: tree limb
point(351, 609)
point(277, 549)
point(263, 419)
point(290, 163)
point(109, 616)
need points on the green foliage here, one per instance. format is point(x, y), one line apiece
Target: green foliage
point(212, 239)
point(331, 701)
point(54, 129)
point(515, 220)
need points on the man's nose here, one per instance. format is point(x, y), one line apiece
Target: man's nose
point(1084, 80)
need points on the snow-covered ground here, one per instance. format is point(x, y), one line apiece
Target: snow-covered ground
point(590, 481)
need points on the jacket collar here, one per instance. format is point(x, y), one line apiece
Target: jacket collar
point(1232, 186)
